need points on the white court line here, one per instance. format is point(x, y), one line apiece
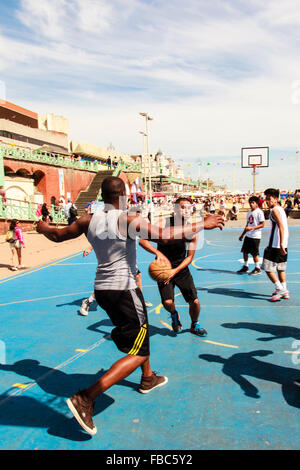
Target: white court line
point(44, 298)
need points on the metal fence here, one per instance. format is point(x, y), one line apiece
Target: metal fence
point(26, 210)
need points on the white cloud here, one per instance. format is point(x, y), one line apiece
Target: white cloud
point(93, 15)
point(215, 75)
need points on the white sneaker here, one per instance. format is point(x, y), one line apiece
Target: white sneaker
point(278, 294)
point(84, 309)
point(148, 304)
point(286, 295)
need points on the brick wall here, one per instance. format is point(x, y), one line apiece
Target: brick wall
point(48, 178)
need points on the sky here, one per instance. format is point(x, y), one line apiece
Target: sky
point(215, 76)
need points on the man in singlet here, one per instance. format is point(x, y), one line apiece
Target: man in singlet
point(252, 232)
point(112, 234)
point(275, 255)
point(180, 255)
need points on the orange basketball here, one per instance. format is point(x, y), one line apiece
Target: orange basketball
point(158, 271)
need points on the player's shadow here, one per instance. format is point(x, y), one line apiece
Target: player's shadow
point(77, 303)
point(153, 330)
point(55, 381)
point(237, 293)
point(276, 331)
point(223, 271)
point(24, 411)
point(241, 364)
point(61, 386)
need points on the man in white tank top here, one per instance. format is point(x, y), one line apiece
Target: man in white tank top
point(112, 234)
point(275, 255)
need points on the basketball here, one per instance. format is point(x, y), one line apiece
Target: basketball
point(158, 271)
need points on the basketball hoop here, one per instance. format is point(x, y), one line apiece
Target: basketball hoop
point(255, 157)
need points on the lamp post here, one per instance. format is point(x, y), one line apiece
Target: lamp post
point(148, 118)
point(297, 169)
point(143, 162)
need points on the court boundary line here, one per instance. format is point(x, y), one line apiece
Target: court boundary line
point(38, 268)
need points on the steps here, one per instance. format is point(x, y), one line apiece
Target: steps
point(92, 192)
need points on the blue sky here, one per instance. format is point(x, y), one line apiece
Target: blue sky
point(215, 76)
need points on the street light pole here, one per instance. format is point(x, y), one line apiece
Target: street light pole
point(143, 164)
point(297, 169)
point(148, 118)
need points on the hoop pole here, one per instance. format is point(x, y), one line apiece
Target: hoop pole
point(254, 174)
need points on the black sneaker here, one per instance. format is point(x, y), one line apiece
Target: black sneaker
point(244, 269)
point(82, 408)
point(255, 272)
point(149, 383)
point(197, 330)
point(176, 325)
point(297, 383)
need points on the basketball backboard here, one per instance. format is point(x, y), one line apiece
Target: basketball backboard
point(255, 156)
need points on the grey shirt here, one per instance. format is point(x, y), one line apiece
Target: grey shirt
point(116, 254)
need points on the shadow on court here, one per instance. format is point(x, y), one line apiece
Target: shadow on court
point(54, 381)
point(276, 331)
point(223, 271)
point(25, 411)
point(237, 293)
point(242, 364)
point(153, 330)
point(77, 303)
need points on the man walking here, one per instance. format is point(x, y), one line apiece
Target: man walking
point(275, 255)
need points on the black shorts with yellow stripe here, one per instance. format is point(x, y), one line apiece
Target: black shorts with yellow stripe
point(128, 313)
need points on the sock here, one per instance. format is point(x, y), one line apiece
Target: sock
point(284, 285)
point(278, 285)
point(246, 263)
point(257, 265)
point(91, 299)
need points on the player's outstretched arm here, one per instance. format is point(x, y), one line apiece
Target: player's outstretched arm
point(137, 226)
point(66, 233)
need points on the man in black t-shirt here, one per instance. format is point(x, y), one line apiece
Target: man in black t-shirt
point(180, 255)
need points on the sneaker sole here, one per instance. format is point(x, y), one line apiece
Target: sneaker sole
point(156, 386)
point(83, 313)
point(72, 408)
point(254, 274)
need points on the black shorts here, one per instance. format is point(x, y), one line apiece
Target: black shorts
point(184, 281)
point(274, 255)
point(251, 246)
point(128, 313)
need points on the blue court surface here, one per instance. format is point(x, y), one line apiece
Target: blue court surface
point(231, 390)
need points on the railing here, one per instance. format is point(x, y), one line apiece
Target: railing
point(126, 166)
point(26, 210)
point(19, 153)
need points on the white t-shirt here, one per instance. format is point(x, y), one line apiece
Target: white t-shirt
point(255, 218)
